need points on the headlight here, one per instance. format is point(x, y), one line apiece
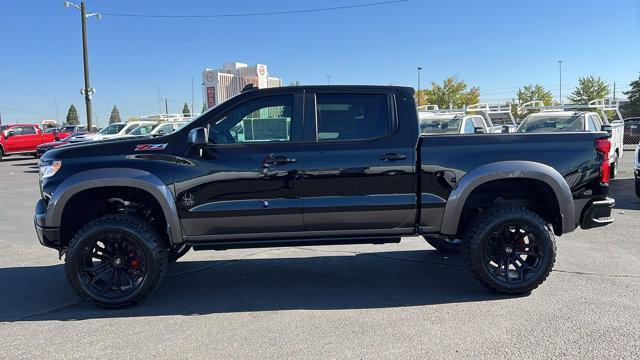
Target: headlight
point(49, 169)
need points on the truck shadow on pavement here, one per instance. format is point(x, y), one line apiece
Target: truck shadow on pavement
point(340, 281)
point(623, 190)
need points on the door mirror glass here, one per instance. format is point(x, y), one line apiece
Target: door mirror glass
point(197, 137)
point(10, 133)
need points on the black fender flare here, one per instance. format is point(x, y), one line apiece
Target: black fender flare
point(125, 177)
point(509, 170)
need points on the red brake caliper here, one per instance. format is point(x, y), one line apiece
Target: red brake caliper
point(134, 263)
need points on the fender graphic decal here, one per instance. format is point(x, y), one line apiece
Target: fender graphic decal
point(150, 147)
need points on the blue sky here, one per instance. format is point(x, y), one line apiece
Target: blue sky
point(496, 45)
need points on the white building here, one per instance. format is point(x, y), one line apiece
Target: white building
point(222, 84)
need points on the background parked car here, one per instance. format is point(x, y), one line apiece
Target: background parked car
point(114, 130)
point(22, 139)
point(575, 121)
point(632, 130)
point(451, 124)
point(66, 130)
point(43, 148)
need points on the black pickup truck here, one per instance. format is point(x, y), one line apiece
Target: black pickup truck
point(316, 165)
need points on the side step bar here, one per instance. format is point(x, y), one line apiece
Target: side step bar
point(239, 244)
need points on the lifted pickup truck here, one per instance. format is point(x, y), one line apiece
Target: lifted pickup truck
point(22, 139)
point(316, 165)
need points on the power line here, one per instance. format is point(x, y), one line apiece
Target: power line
point(284, 12)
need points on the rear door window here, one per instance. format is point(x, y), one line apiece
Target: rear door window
point(352, 116)
point(28, 130)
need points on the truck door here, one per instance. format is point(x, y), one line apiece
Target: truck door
point(21, 139)
point(359, 161)
point(247, 180)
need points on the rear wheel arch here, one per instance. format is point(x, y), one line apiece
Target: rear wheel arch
point(512, 175)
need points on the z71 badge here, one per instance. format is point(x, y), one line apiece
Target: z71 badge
point(150, 147)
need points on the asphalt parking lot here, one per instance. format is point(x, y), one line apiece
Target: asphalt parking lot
point(364, 301)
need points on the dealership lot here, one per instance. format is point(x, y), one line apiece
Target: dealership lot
point(382, 301)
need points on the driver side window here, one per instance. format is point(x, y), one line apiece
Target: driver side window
point(266, 119)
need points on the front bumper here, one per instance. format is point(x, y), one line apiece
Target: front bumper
point(48, 236)
point(597, 213)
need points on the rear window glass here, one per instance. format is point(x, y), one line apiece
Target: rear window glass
point(352, 116)
point(552, 123)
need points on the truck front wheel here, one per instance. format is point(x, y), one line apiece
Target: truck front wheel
point(115, 261)
point(510, 250)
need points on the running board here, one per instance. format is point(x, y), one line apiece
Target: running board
point(239, 244)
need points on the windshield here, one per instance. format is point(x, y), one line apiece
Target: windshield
point(440, 124)
point(111, 129)
point(552, 123)
point(143, 129)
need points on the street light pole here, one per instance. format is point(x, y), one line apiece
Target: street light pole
point(166, 106)
point(87, 91)
point(419, 70)
point(560, 64)
point(328, 77)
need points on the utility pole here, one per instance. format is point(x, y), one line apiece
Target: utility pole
point(55, 104)
point(328, 77)
point(87, 91)
point(166, 106)
point(560, 64)
point(419, 70)
point(614, 91)
point(159, 100)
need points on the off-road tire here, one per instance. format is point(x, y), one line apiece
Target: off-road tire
point(177, 252)
point(480, 230)
point(444, 246)
point(144, 235)
point(638, 187)
point(1, 154)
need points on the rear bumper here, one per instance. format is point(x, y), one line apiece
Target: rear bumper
point(597, 213)
point(48, 236)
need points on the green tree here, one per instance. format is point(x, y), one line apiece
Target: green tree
point(632, 106)
point(589, 88)
point(185, 110)
point(452, 93)
point(535, 92)
point(115, 115)
point(72, 116)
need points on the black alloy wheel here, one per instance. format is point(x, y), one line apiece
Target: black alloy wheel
point(510, 250)
point(112, 266)
point(116, 261)
point(513, 253)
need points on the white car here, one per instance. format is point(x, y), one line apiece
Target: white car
point(114, 130)
point(155, 129)
point(447, 123)
point(575, 121)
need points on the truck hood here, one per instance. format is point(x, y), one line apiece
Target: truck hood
point(110, 147)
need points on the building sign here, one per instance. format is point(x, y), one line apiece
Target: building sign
point(211, 96)
point(261, 70)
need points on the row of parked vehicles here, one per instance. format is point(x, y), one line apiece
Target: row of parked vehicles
point(31, 139)
point(597, 115)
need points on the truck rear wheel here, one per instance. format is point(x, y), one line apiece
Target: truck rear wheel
point(115, 261)
point(510, 250)
point(444, 245)
point(1, 154)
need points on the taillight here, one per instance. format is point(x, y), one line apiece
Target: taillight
point(603, 146)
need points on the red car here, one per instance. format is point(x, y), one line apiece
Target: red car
point(43, 148)
point(22, 139)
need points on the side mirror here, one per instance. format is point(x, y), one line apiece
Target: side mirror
point(160, 132)
point(198, 137)
point(607, 128)
point(10, 133)
point(478, 130)
point(505, 129)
